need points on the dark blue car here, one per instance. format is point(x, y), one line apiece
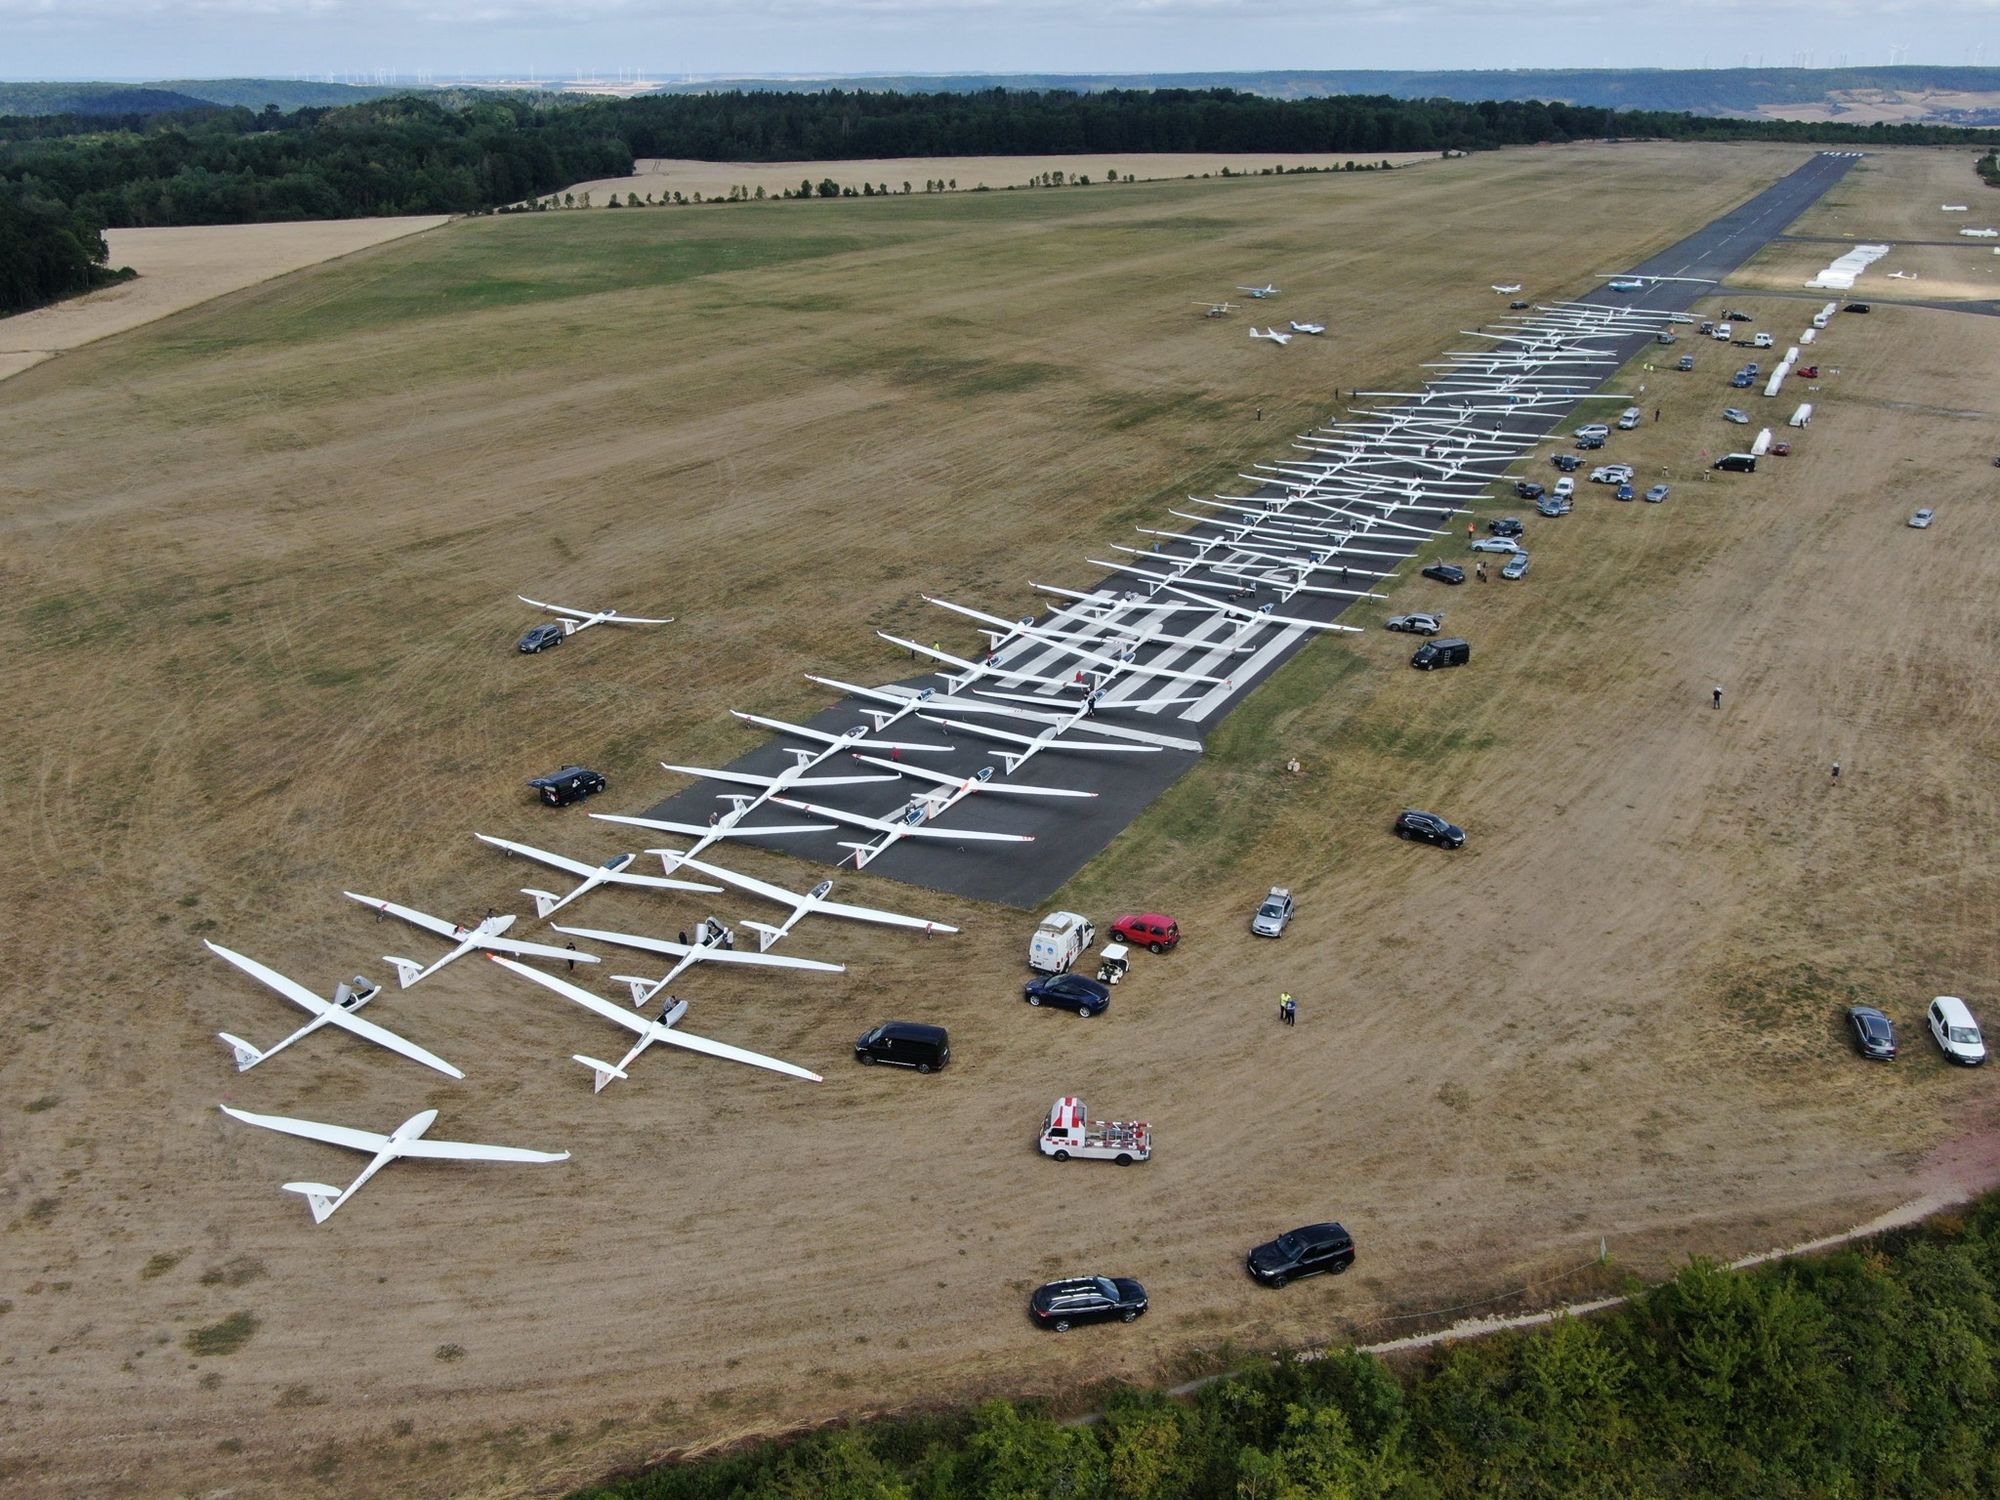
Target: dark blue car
point(1086, 997)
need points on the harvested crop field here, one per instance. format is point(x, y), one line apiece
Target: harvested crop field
point(265, 653)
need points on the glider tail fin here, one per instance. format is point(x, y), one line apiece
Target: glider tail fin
point(320, 1198)
point(408, 970)
point(862, 853)
point(767, 934)
point(546, 902)
point(643, 990)
point(604, 1071)
point(247, 1056)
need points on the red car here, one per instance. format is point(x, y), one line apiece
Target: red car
point(1810, 372)
point(1155, 932)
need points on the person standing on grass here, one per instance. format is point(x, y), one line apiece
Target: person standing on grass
point(1836, 773)
point(1284, 1008)
point(1716, 696)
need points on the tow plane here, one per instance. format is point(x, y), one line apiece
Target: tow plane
point(1216, 309)
point(464, 940)
point(1507, 291)
point(405, 1141)
point(813, 903)
point(713, 942)
point(573, 620)
point(1315, 329)
point(648, 1032)
point(614, 871)
point(347, 999)
point(1259, 292)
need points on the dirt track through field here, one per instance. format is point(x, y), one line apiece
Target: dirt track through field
point(265, 619)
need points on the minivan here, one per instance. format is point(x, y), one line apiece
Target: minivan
point(1447, 651)
point(1629, 418)
point(1737, 463)
point(1956, 1032)
point(905, 1044)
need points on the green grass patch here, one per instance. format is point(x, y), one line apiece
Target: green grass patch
point(225, 1337)
point(158, 1265)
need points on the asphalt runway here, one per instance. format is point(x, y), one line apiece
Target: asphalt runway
point(1068, 833)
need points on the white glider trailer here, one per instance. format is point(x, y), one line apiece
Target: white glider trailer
point(1068, 1131)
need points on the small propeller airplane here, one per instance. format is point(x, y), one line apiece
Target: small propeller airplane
point(1272, 335)
point(713, 942)
point(1217, 309)
point(1259, 292)
point(814, 903)
point(574, 620)
point(614, 871)
point(1314, 329)
point(648, 1032)
point(1507, 291)
point(464, 939)
point(405, 1141)
point(347, 999)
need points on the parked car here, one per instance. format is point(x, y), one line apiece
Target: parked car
point(1569, 463)
point(1611, 473)
point(905, 1044)
point(1733, 414)
point(1508, 525)
point(1858, 307)
point(1417, 624)
point(1516, 305)
point(1445, 572)
point(1311, 1250)
point(1527, 489)
point(1062, 1305)
point(1442, 653)
point(1587, 444)
point(1923, 518)
point(1624, 492)
point(1873, 1035)
point(1810, 372)
point(1736, 463)
point(1740, 380)
point(1565, 487)
point(1686, 362)
point(1429, 828)
point(1496, 544)
point(1956, 1032)
point(1148, 930)
point(1554, 507)
point(1593, 429)
point(1739, 317)
point(1517, 566)
point(1656, 494)
point(1074, 992)
point(570, 784)
point(1781, 450)
point(1707, 327)
point(1274, 913)
point(543, 637)
point(1753, 369)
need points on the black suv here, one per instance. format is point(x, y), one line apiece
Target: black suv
point(1507, 525)
point(1304, 1252)
point(1429, 828)
point(1569, 463)
point(570, 784)
point(544, 636)
point(1445, 572)
point(1087, 997)
point(1087, 1299)
point(1527, 489)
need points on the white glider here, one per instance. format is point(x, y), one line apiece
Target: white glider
point(648, 1032)
point(813, 903)
point(464, 939)
point(713, 943)
point(1272, 335)
point(909, 822)
point(347, 999)
point(614, 871)
point(850, 741)
point(574, 620)
point(404, 1141)
point(1118, 663)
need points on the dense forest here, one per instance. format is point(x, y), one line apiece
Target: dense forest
point(71, 98)
point(1873, 1371)
point(467, 152)
point(47, 250)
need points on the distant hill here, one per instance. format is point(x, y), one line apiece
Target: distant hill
point(203, 93)
point(1958, 96)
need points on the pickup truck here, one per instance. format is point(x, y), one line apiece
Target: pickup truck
point(1069, 1131)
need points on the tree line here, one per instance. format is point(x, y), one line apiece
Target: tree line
point(1872, 1371)
point(470, 152)
point(48, 250)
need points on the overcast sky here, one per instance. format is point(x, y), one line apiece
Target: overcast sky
point(674, 38)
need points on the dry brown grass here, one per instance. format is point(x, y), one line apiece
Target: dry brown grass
point(261, 560)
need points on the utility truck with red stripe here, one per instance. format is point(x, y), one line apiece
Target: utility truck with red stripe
point(1069, 1131)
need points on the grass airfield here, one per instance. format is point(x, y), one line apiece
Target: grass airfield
point(262, 559)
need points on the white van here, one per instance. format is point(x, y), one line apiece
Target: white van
point(1629, 418)
point(1060, 941)
point(1724, 333)
point(1956, 1032)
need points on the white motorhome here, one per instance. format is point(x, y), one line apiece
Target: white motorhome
point(1068, 1130)
point(1060, 941)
